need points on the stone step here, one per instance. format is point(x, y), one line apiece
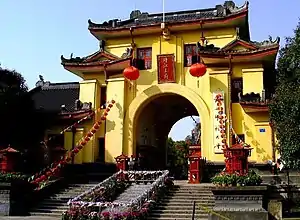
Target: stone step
point(190, 191)
point(182, 206)
point(51, 214)
point(178, 211)
point(190, 194)
point(75, 190)
point(58, 197)
point(167, 218)
point(56, 211)
point(53, 205)
point(54, 201)
point(187, 203)
point(72, 195)
point(189, 199)
point(176, 215)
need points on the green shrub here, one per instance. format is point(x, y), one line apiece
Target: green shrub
point(250, 179)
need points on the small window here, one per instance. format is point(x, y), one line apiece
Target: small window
point(144, 58)
point(241, 137)
point(103, 96)
point(190, 55)
point(236, 89)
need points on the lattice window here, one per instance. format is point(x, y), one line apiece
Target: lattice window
point(190, 54)
point(236, 89)
point(144, 58)
point(103, 96)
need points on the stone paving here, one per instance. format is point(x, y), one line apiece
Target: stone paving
point(29, 218)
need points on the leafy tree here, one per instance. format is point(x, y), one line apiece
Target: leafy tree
point(285, 107)
point(177, 158)
point(21, 125)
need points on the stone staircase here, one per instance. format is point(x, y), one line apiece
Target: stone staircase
point(56, 204)
point(178, 203)
point(132, 192)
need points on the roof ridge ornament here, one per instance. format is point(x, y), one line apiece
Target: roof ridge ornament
point(128, 53)
point(268, 42)
point(42, 82)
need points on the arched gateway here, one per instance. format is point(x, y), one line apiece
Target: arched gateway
point(171, 94)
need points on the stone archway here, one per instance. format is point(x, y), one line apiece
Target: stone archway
point(156, 91)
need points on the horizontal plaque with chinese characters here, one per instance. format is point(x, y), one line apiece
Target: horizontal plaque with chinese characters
point(166, 68)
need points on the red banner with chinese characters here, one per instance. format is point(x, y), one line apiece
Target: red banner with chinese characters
point(166, 68)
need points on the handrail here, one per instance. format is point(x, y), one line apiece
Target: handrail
point(208, 210)
point(194, 207)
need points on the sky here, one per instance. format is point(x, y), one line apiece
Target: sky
point(35, 33)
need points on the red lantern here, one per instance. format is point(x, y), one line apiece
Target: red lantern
point(75, 150)
point(113, 101)
point(198, 69)
point(80, 147)
point(110, 105)
point(103, 118)
point(87, 139)
point(131, 73)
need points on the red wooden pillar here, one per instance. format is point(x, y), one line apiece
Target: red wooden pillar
point(237, 159)
point(8, 159)
point(196, 164)
point(122, 162)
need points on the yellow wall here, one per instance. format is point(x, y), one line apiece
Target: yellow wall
point(114, 123)
point(251, 75)
point(121, 131)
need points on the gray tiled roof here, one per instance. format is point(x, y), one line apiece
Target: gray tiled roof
point(51, 96)
point(143, 19)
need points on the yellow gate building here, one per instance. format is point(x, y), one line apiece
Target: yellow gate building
point(240, 69)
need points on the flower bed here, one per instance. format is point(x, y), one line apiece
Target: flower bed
point(224, 179)
point(98, 202)
point(7, 177)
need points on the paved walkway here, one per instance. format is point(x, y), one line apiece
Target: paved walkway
point(186, 183)
point(29, 218)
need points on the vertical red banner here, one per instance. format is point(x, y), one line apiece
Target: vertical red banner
point(166, 68)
